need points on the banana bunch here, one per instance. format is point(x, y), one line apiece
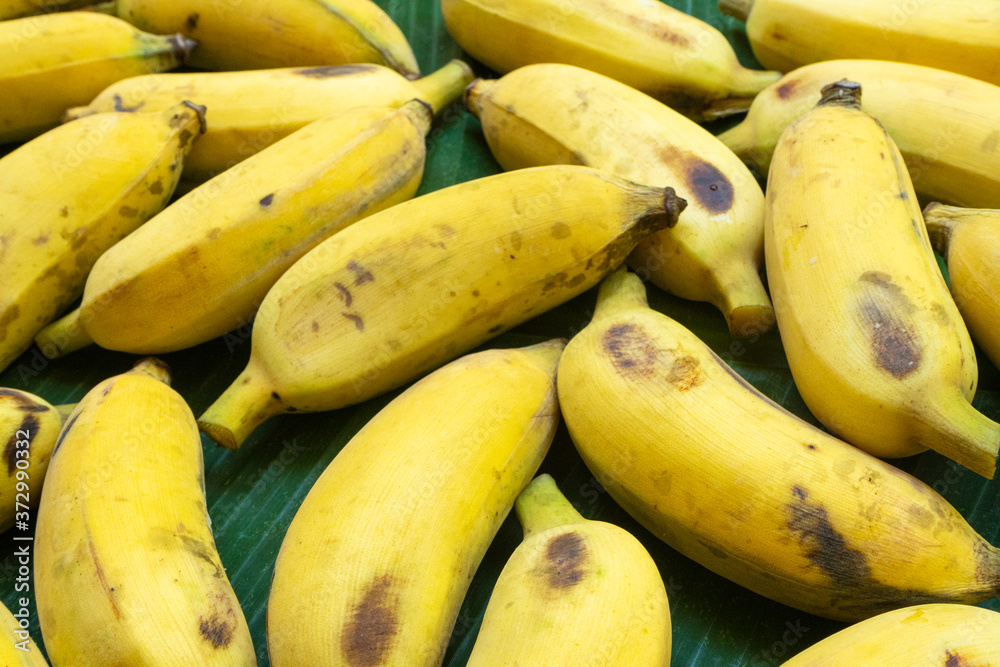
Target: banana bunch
point(575, 592)
point(72, 193)
point(947, 126)
point(377, 560)
point(407, 289)
point(560, 114)
point(126, 570)
point(676, 58)
point(249, 111)
point(202, 266)
point(733, 481)
point(865, 317)
point(15, 9)
point(17, 649)
point(953, 35)
point(53, 62)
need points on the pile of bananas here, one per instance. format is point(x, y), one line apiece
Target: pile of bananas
point(276, 187)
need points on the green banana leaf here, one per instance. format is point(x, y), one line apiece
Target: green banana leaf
point(254, 493)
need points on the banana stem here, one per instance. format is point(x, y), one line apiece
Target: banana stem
point(747, 83)
point(542, 506)
point(742, 140)
point(621, 290)
point(473, 95)
point(153, 368)
point(441, 88)
point(744, 301)
point(738, 9)
point(941, 221)
point(245, 405)
point(952, 427)
point(63, 336)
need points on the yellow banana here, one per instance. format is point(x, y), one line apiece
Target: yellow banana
point(874, 341)
point(378, 558)
point(575, 592)
point(560, 114)
point(736, 483)
point(52, 62)
point(947, 126)
point(15, 9)
point(126, 569)
point(257, 34)
point(953, 35)
point(17, 649)
point(71, 194)
point(926, 635)
point(676, 58)
point(202, 266)
point(969, 241)
point(249, 111)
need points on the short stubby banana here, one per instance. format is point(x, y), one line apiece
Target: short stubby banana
point(954, 35)
point(52, 62)
point(257, 34)
point(574, 592)
point(15, 9)
point(405, 290)
point(249, 111)
point(17, 649)
point(926, 635)
point(202, 266)
point(733, 481)
point(969, 241)
point(877, 348)
point(126, 569)
point(678, 59)
point(560, 114)
point(72, 193)
point(947, 126)
point(378, 558)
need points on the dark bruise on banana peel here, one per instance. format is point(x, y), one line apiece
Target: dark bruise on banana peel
point(369, 636)
point(565, 558)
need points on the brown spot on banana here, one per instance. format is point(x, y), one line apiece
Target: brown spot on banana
point(565, 556)
point(9, 316)
point(561, 230)
point(216, 630)
point(345, 294)
point(632, 352)
point(331, 71)
point(685, 373)
point(156, 188)
point(883, 312)
point(787, 89)
point(361, 274)
point(359, 323)
point(846, 567)
point(192, 21)
point(954, 660)
point(30, 424)
point(266, 200)
point(709, 185)
point(64, 212)
point(102, 578)
point(128, 212)
point(373, 626)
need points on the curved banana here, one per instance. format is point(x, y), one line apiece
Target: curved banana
point(574, 592)
point(953, 35)
point(52, 62)
point(69, 195)
point(257, 34)
point(202, 266)
point(947, 126)
point(249, 111)
point(560, 114)
point(17, 649)
point(16, 9)
point(126, 569)
point(866, 320)
point(676, 58)
point(925, 635)
point(378, 558)
point(969, 241)
point(736, 483)
point(404, 290)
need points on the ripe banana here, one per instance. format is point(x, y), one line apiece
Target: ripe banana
point(17, 649)
point(126, 569)
point(404, 290)
point(874, 341)
point(52, 62)
point(676, 58)
point(575, 592)
point(952, 635)
point(15, 9)
point(953, 35)
point(560, 114)
point(947, 126)
point(736, 483)
point(257, 34)
point(378, 558)
point(249, 111)
point(202, 266)
point(71, 194)
point(969, 241)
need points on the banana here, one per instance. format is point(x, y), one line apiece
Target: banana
point(202, 266)
point(15, 9)
point(17, 649)
point(53, 62)
point(71, 194)
point(676, 58)
point(574, 592)
point(249, 111)
point(404, 290)
point(953, 35)
point(969, 241)
point(378, 558)
point(126, 569)
point(560, 114)
point(258, 34)
point(736, 483)
point(865, 317)
point(947, 126)
point(924, 635)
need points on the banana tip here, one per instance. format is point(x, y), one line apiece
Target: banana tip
point(750, 321)
point(200, 110)
point(220, 435)
point(674, 205)
point(183, 45)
